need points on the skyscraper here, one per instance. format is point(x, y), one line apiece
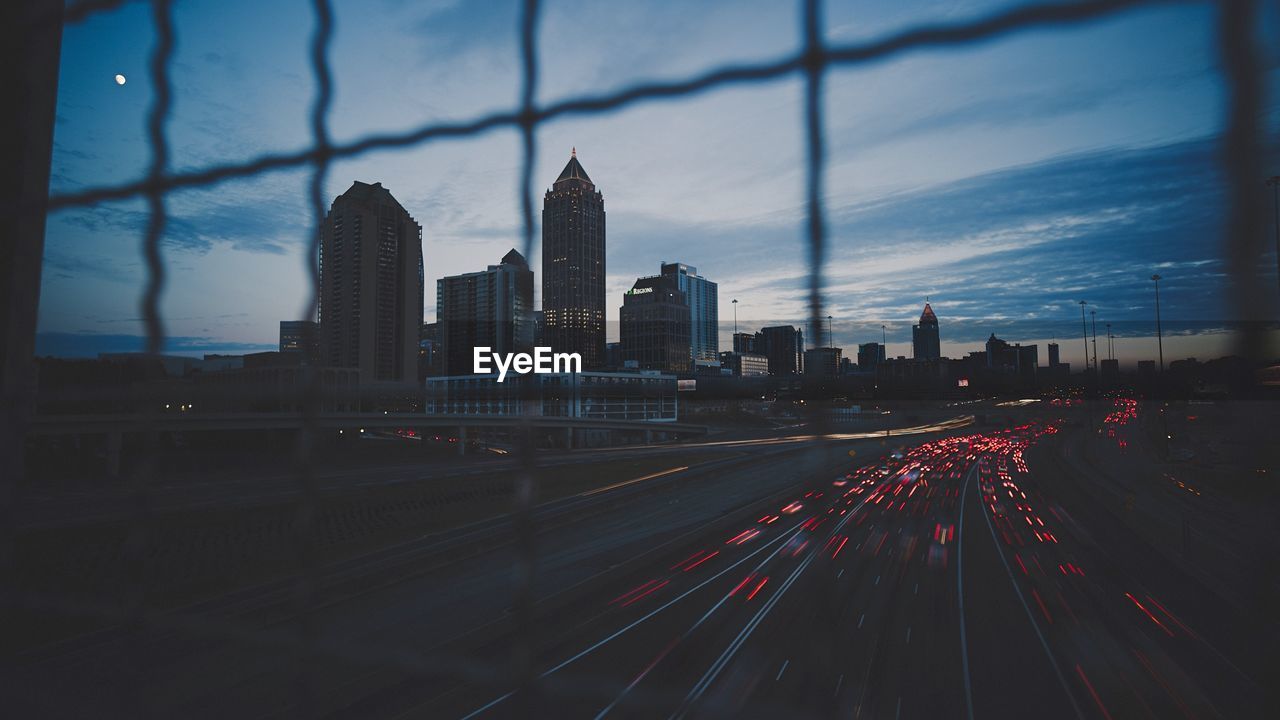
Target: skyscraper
point(300, 336)
point(655, 325)
point(784, 346)
point(704, 310)
point(371, 286)
point(924, 337)
point(573, 265)
point(1053, 355)
point(491, 308)
point(870, 355)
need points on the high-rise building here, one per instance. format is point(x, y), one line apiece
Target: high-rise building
point(573, 265)
point(1054, 358)
point(924, 336)
point(491, 308)
point(870, 355)
point(822, 361)
point(300, 336)
point(784, 346)
point(1008, 357)
point(703, 298)
point(744, 342)
point(371, 286)
point(655, 325)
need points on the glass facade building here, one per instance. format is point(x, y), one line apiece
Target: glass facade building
point(704, 310)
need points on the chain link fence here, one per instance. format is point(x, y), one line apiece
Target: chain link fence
point(1242, 153)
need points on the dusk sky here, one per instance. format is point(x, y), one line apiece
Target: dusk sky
point(1004, 181)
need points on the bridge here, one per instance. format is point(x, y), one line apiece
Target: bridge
point(114, 427)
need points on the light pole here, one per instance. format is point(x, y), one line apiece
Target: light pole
point(1093, 315)
point(735, 317)
point(831, 339)
point(1159, 332)
point(1084, 330)
point(1111, 355)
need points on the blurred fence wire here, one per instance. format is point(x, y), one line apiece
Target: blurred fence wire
point(1244, 237)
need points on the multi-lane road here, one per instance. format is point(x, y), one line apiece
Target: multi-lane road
point(968, 575)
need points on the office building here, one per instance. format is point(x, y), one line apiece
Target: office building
point(925, 344)
point(1054, 357)
point(491, 308)
point(822, 362)
point(655, 325)
point(573, 265)
point(870, 355)
point(1002, 355)
point(784, 346)
point(371, 286)
point(704, 315)
point(744, 364)
point(300, 336)
point(744, 342)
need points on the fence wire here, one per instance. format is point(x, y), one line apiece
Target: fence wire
point(1242, 145)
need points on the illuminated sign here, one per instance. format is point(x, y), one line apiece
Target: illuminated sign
point(962, 382)
point(686, 385)
point(639, 291)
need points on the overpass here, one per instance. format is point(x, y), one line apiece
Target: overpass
point(114, 427)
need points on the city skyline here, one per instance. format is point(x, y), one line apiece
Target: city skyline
point(999, 224)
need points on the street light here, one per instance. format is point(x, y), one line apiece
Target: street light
point(1084, 331)
point(1159, 333)
point(1093, 314)
point(831, 338)
point(735, 316)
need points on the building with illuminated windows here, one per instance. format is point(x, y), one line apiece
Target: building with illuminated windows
point(573, 265)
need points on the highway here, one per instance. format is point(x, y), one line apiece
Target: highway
point(967, 576)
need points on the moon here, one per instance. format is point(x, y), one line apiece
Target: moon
point(120, 79)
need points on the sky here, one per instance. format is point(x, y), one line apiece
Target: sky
point(1004, 181)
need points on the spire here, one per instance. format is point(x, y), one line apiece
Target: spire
point(573, 170)
point(927, 317)
point(574, 151)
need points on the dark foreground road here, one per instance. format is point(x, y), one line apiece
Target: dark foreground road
point(971, 577)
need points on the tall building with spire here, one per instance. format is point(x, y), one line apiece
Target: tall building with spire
point(573, 265)
point(924, 336)
point(371, 286)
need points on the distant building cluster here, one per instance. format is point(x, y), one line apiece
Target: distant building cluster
point(370, 317)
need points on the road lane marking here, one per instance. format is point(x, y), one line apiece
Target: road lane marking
point(782, 670)
point(1062, 680)
point(790, 532)
point(625, 483)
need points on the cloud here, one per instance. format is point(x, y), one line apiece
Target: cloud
point(81, 345)
point(265, 222)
